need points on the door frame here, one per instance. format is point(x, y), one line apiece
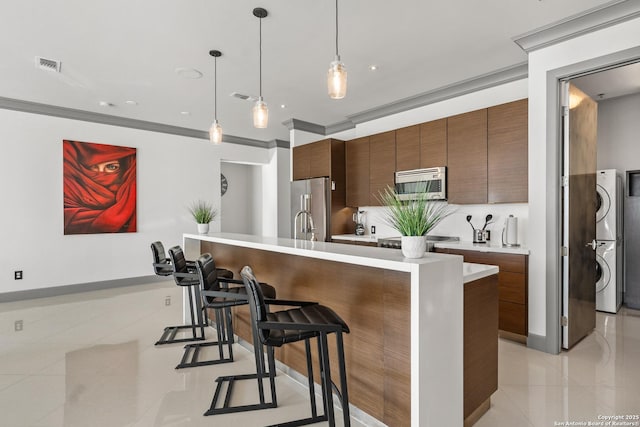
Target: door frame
point(552, 342)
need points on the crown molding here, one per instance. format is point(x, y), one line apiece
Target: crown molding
point(585, 22)
point(105, 119)
point(485, 81)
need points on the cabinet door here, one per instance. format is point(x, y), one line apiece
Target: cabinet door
point(382, 164)
point(467, 158)
point(433, 144)
point(408, 148)
point(320, 159)
point(357, 171)
point(507, 142)
point(301, 161)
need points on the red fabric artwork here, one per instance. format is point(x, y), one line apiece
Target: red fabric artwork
point(99, 188)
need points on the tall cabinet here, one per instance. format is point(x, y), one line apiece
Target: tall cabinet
point(467, 158)
point(326, 158)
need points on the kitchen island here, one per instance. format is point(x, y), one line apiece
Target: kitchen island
point(404, 355)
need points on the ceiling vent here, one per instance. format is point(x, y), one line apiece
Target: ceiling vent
point(48, 64)
point(244, 97)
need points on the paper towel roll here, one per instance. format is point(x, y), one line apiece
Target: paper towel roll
point(511, 233)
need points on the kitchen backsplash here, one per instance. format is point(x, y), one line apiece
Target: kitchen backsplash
point(457, 225)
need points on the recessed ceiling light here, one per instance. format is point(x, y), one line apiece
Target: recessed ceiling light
point(185, 113)
point(283, 106)
point(373, 67)
point(188, 73)
point(105, 104)
point(131, 102)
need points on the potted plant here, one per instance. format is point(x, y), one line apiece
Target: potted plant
point(203, 212)
point(413, 219)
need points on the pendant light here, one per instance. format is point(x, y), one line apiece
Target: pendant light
point(337, 74)
point(215, 131)
point(260, 110)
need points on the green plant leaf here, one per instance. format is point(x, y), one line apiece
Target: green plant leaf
point(203, 212)
point(416, 217)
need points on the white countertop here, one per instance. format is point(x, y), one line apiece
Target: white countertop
point(390, 259)
point(483, 247)
point(369, 238)
point(469, 246)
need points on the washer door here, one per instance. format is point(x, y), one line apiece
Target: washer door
point(603, 203)
point(603, 273)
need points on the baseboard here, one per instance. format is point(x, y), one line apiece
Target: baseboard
point(537, 342)
point(80, 287)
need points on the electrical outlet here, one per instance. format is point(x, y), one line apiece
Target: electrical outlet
point(17, 326)
point(17, 275)
point(373, 229)
point(167, 300)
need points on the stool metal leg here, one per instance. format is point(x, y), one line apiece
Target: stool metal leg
point(326, 379)
point(260, 375)
point(344, 395)
point(170, 332)
point(224, 330)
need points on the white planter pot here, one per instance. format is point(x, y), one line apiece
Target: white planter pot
point(203, 228)
point(414, 246)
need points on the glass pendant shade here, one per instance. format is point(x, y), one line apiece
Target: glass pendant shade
point(260, 114)
point(215, 133)
point(337, 79)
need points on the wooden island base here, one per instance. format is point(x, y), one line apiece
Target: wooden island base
point(376, 304)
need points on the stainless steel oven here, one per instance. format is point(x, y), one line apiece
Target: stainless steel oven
point(410, 184)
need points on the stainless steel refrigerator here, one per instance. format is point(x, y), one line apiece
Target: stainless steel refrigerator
point(632, 240)
point(310, 209)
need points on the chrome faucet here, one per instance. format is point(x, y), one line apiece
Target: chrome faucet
point(307, 219)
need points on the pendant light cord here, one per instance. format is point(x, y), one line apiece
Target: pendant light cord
point(337, 28)
point(260, 57)
point(215, 88)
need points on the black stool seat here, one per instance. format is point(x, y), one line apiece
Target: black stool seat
point(223, 273)
point(308, 315)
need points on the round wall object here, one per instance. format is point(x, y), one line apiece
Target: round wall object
point(224, 184)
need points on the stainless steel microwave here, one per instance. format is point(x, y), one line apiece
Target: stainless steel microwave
point(409, 184)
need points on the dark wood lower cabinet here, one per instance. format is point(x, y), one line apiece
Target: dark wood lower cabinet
point(512, 288)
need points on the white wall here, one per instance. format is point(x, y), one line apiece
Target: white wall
point(456, 225)
point(172, 171)
point(619, 133)
point(238, 208)
point(543, 148)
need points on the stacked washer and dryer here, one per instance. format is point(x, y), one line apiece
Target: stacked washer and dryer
point(609, 235)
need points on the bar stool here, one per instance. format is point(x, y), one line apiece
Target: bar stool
point(220, 297)
point(308, 320)
point(184, 276)
point(161, 264)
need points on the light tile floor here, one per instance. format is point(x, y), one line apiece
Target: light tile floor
point(88, 360)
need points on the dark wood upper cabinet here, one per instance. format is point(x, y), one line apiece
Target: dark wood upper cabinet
point(320, 164)
point(467, 158)
point(433, 144)
point(382, 164)
point(408, 148)
point(357, 171)
point(312, 160)
point(507, 160)
point(301, 161)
